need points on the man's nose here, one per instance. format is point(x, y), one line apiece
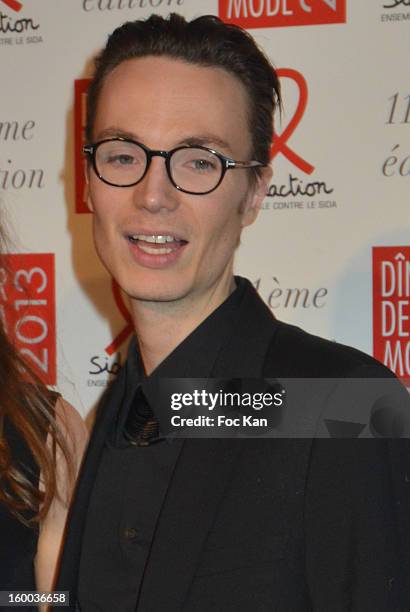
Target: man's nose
point(155, 192)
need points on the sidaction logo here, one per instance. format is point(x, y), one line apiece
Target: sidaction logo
point(280, 140)
point(391, 308)
point(395, 10)
point(396, 3)
point(109, 362)
point(13, 28)
point(294, 192)
point(13, 4)
point(282, 13)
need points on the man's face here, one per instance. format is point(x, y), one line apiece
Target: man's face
point(164, 103)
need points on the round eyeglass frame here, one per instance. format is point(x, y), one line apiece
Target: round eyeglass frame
point(226, 162)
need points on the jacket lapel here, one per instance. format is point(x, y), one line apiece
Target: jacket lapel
point(70, 562)
point(244, 354)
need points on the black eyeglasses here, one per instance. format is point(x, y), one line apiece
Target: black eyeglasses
point(197, 170)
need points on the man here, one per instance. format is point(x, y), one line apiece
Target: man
point(179, 129)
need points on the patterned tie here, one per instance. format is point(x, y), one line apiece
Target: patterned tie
point(141, 427)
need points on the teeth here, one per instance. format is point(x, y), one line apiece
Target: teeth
point(152, 251)
point(155, 239)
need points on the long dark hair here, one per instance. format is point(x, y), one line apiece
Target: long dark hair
point(27, 410)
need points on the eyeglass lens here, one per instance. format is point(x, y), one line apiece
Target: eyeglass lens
point(124, 163)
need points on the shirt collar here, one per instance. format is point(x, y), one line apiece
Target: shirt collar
point(194, 357)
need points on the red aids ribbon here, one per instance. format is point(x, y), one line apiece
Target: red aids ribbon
point(128, 329)
point(279, 140)
point(13, 4)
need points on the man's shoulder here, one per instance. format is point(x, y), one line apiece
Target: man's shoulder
point(297, 353)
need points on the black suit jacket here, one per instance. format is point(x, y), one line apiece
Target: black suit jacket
point(271, 524)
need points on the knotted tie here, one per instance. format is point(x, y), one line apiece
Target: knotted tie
point(141, 427)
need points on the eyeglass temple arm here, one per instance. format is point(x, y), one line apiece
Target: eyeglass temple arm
point(242, 164)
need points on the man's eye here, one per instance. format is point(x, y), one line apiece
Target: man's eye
point(203, 165)
point(120, 160)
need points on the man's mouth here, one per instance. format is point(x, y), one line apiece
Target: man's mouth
point(156, 244)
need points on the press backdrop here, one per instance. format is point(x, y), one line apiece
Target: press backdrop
point(331, 248)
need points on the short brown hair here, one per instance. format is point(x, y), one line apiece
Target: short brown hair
point(205, 41)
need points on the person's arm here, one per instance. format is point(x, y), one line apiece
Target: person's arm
point(52, 528)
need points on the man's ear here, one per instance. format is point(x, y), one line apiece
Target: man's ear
point(87, 197)
point(256, 196)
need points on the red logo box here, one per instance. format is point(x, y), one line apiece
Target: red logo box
point(391, 309)
point(27, 310)
point(80, 101)
point(13, 4)
point(282, 13)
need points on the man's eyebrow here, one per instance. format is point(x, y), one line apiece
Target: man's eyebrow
point(114, 132)
point(204, 140)
point(208, 140)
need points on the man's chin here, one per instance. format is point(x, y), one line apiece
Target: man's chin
point(157, 295)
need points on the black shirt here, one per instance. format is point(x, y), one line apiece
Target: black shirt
point(132, 481)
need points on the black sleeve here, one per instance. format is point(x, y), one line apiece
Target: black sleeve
point(357, 525)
